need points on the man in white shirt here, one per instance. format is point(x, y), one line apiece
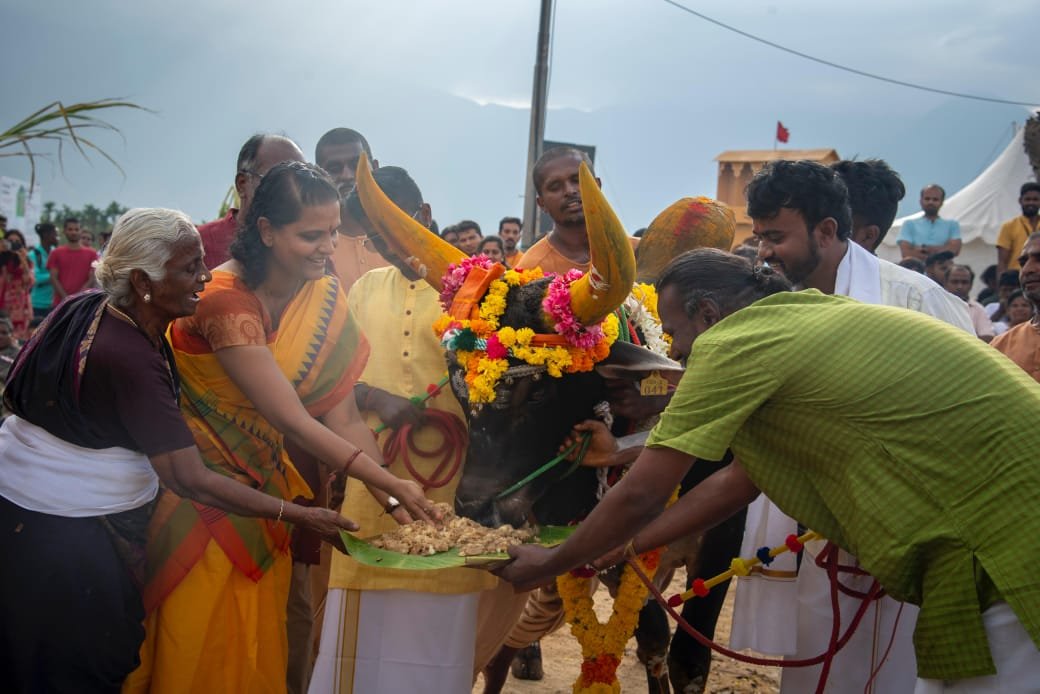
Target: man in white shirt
point(800, 213)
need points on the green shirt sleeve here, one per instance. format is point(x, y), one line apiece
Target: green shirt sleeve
point(722, 387)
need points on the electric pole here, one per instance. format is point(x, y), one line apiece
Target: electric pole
point(539, 96)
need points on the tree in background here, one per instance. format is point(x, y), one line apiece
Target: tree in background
point(98, 220)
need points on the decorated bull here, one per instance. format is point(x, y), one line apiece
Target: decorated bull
point(523, 351)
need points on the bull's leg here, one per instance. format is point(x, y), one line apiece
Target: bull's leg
point(497, 670)
point(689, 662)
point(527, 664)
point(652, 635)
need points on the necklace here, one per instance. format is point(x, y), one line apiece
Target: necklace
point(163, 348)
point(129, 319)
point(124, 316)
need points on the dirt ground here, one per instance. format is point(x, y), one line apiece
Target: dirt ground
point(562, 659)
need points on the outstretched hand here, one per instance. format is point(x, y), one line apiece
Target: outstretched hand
point(328, 524)
point(414, 500)
point(529, 568)
point(601, 447)
point(611, 558)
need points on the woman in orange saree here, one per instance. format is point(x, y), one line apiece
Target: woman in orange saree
point(271, 355)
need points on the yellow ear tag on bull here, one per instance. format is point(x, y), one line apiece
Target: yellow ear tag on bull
point(654, 384)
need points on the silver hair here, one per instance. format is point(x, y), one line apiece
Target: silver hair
point(142, 239)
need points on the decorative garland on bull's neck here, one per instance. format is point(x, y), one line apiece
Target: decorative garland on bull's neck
point(603, 645)
point(641, 307)
point(474, 300)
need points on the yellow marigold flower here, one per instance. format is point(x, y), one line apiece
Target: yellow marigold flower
point(524, 336)
point(507, 336)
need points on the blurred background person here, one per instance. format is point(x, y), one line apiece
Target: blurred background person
point(494, 248)
point(469, 236)
point(16, 283)
point(43, 292)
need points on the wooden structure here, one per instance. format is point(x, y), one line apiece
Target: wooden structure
point(738, 166)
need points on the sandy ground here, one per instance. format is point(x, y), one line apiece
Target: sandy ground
point(562, 659)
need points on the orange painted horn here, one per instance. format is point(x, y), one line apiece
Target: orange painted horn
point(422, 250)
point(612, 269)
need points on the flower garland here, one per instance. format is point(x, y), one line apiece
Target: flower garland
point(483, 348)
point(641, 306)
point(603, 645)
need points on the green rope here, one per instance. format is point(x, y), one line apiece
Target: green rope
point(585, 440)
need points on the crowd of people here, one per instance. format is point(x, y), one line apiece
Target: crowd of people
point(198, 412)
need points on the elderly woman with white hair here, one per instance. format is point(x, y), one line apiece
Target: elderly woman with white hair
point(95, 429)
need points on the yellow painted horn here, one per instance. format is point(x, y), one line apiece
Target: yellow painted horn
point(612, 269)
point(422, 250)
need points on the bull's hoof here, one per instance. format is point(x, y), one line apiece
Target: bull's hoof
point(527, 664)
point(694, 685)
point(656, 672)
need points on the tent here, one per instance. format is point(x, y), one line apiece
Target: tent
point(980, 207)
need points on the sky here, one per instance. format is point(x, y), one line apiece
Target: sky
point(443, 88)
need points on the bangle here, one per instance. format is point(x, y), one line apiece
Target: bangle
point(630, 549)
point(350, 460)
point(281, 510)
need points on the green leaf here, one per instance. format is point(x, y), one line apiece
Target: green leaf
point(366, 554)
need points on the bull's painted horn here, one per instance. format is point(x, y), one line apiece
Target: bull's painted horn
point(613, 264)
point(425, 252)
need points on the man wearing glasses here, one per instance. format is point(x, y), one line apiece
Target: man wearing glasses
point(338, 152)
point(257, 156)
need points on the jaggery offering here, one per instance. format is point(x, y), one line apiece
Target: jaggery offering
point(467, 537)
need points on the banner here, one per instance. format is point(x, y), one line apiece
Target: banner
point(21, 208)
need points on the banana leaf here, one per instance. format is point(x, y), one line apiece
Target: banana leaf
point(365, 553)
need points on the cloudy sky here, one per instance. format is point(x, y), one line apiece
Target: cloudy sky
point(442, 89)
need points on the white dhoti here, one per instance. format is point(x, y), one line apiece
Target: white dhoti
point(766, 602)
point(1014, 653)
point(887, 625)
point(783, 613)
point(393, 641)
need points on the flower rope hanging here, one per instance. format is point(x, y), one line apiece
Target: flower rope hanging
point(603, 644)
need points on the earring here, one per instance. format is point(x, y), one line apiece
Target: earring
point(147, 297)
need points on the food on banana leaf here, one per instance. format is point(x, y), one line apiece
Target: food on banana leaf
point(467, 537)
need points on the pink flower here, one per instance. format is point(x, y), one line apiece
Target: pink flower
point(495, 349)
point(557, 305)
point(456, 276)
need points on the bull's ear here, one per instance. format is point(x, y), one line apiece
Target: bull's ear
point(612, 266)
point(629, 361)
point(425, 252)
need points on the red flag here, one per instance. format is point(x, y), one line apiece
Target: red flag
point(782, 133)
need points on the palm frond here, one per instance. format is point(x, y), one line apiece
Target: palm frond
point(61, 124)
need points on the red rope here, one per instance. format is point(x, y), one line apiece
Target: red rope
point(402, 444)
point(833, 647)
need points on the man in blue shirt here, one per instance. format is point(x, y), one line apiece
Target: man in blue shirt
point(43, 291)
point(924, 236)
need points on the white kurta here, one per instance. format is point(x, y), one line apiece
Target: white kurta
point(770, 602)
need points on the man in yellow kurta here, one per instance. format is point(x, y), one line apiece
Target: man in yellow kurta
point(390, 630)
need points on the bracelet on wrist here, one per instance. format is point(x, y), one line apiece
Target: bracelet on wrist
point(350, 461)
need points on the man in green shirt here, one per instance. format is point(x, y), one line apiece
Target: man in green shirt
point(843, 414)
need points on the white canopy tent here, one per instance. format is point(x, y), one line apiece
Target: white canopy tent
point(981, 207)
